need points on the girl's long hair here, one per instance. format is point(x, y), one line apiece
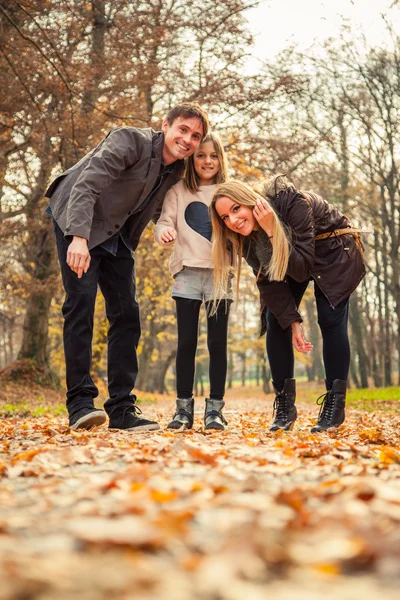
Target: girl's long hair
point(190, 177)
point(224, 238)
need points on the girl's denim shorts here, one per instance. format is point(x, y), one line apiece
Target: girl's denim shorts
point(196, 283)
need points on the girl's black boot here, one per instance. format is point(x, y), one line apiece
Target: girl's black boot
point(183, 416)
point(213, 417)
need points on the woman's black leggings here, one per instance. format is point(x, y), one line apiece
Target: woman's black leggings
point(335, 339)
point(187, 313)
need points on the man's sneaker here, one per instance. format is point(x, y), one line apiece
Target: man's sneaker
point(86, 418)
point(125, 418)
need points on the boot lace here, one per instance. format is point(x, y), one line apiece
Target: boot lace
point(127, 409)
point(327, 403)
point(281, 408)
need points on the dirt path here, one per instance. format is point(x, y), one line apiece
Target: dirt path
point(222, 516)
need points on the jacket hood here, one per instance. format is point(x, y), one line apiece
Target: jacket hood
point(275, 184)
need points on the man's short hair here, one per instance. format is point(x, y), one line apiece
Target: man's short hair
point(189, 110)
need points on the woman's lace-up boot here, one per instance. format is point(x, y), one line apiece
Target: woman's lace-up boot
point(285, 411)
point(332, 404)
point(183, 417)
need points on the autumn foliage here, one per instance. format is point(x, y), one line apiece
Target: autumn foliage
point(199, 514)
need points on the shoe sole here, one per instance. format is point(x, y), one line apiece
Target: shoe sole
point(333, 428)
point(283, 428)
point(154, 427)
point(181, 427)
point(89, 421)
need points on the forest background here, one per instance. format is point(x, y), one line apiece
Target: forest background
point(329, 117)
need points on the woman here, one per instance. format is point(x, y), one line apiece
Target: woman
point(291, 237)
point(185, 222)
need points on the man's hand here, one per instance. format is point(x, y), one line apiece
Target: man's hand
point(78, 257)
point(298, 340)
point(169, 235)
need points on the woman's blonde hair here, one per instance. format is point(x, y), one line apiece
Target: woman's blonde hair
point(190, 177)
point(224, 238)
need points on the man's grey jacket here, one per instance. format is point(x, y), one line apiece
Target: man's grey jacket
point(111, 185)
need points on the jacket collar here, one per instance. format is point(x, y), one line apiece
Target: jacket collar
point(158, 145)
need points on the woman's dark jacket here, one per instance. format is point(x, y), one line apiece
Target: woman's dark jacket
point(335, 263)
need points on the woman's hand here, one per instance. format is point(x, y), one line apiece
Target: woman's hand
point(169, 235)
point(264, 215)
point(298, 339)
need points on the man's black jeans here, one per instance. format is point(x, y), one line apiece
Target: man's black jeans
point(335, 339)
point(115, 276)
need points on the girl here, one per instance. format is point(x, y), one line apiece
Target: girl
point(289, 238)
point(185, 221)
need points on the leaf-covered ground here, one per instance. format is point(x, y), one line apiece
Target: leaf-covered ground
point(240, 514)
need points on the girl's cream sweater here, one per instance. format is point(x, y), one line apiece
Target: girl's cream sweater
point(188, 214)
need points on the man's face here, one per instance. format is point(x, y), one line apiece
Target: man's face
point(181, 138)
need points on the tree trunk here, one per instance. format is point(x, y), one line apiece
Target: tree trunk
point(198, 378)
point(396, 281)
point(376, 372)
point(244, 365)
point(266, 377)
point(162, 371)
point(99, 29)
point(41, 239)
point(230, 370)
point(357, 331)
point(145, 361)
point(316, 371)
point(387, 329)
point(35, 327)
point(353, 372)
point(3, 342)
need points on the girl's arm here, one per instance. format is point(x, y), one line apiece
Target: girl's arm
point(165, 230)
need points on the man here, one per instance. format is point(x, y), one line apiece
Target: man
point(100, 207)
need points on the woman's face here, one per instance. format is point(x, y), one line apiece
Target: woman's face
point(206, 163)
point(237, 217)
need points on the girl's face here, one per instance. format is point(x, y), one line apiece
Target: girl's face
point(206, 163)
point(237, 217)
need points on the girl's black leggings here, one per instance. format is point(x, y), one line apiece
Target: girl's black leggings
point(187, 312)
point(335, 339)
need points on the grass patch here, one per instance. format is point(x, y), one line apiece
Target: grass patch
point(32, 400)
point(385, 399)
point(18, 400)
point(21, 409)
point(49, 411)
point(13, 410)
point(146, 398)
point(369, 399)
